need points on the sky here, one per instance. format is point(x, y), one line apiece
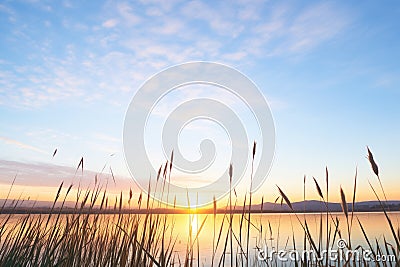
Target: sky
point(328, 69)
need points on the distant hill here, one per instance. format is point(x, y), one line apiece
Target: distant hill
point(320, 206)
point(308, 206)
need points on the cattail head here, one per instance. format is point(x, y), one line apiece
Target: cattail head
point(172, 159)
point(285, 198)
point(165, 169)
point(230, 172)
point(80, 165)
point(140, 199)
point(262, 203)
point(69, 189)
point(254, 148)
point(318, 188)
point(120, 201)
point(344, 203)
point(159, 173)
point(373, 163)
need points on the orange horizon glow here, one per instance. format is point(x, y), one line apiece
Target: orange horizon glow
point(48, 193)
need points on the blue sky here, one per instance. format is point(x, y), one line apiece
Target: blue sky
point(330, 71)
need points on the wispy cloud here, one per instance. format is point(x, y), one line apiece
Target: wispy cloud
point(221, 20)
point(22, 145)
point(111, 56)
point(127, 12)
point(110, 23)
point(315, 25)
point(170, 26)
point(10, 12)
point(286, 32)
point(42, 174)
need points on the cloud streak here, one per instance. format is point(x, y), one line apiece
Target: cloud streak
point(22, 145)
point(44, 174)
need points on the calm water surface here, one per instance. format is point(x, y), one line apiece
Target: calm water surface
point(268, 231)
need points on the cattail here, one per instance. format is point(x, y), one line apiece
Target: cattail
point(215, 206)
point(165, 169)
point(230, 172)
point(262, 203)
point(130, 194)
point(172, 159)
point(159, 172)
point(376, 170)
point(54, 153)
point(69, 189)
point(120, 201)
point(285, 198)
point(373, 163)
point(254, 149)
point(344, 203)
point(318, 188)
point(80, 165)
point(140, 198)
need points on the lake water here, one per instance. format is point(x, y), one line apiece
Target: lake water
point(283, 228)
point(269, 233)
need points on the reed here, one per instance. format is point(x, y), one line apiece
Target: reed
point(87, 237)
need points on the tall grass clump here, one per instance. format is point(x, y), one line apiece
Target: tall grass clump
point(96, 232)
point(85, 236)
